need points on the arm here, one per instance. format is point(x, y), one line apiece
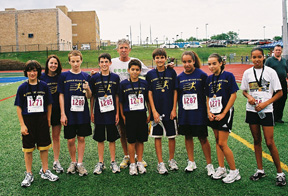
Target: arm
point(227, 108)
point(263, 105)
point(117, 110)
point(122, 113)
point(153, 109)
point(24, 130)
point(86, 87)
point(211, 116)
point(250, 99)
point(173, 112)
point(92, 109)
point(49, 111)
point(149, 112)
point(63, 119)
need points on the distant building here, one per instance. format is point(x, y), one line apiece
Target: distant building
point(52, 29)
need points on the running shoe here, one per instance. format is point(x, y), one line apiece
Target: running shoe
point(72, 168)
point(48, 175)
point(114, 167)
point(81, 170)
point(191, 166)
point(232, 176)
point(173, 165)
point(220, 173)
point(133, 169)
point(161, 168)
point(57, 167)
point(141, 168)
point(210, 169)
point(29, 178)
point(258, 175)
point(124, 162)
point(99, 167)
point(281, 180)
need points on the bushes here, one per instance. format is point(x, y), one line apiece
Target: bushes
point(6, 64)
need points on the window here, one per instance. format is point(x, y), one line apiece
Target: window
point(30, 35)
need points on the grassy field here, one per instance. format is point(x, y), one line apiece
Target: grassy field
point(143, 53)
point(176, 183)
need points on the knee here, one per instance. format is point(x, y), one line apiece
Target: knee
point(270, 143)
point(203, 141)
point(71, 142)
point(257, 142)
point(81, 139)
point(222, 145)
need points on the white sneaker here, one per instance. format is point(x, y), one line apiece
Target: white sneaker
point(172, 165)
point(133, 169)
point(210, 169)
point(191, 166)
point(57, 167)
point(99, 167)
point(124, 162)
point(232, 176)
point(114, 167)
point(220, 173)
point(161, 168)
point(141, 168)
point(29, 178)
point(48, 175)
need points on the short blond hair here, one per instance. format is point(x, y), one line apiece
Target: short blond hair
point(75, 53)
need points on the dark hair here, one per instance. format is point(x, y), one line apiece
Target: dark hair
point(194, 56)
point(75, 53)
point(135, 62)
point(104, 56)
point(278, 45)
point(159, 52)
point(259, 49)
point(219, 59)
point(31, 65)
point(59, 68)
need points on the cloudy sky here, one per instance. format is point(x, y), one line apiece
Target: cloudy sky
point(169, 18)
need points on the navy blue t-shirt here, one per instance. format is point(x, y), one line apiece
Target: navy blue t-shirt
point(163, 101)
point(97, 89)
point(71, 85)
point(191, 90)
point(126, 90)
point(24, 97)
point(52, 83)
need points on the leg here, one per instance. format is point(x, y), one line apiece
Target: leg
point(256, 133)
point(112, 150)
point(220, 155)
point(171, 144)
point(131, 149)
point(189, 147)
point(101, 151)
point(72, 149)
point(28, 156)
point(44, 159)
point(139, 150)
point(56, 141)
point(81, 148)
point(158, 148)
point(268, 135)
point(223, 138)
point(123, 137)
point(206, 149)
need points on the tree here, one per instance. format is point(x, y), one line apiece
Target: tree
point(277, 38)
point(192, 39)
point(232, 35)
point(180, 40)
point(222, 36)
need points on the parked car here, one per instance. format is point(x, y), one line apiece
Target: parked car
point(85, 47)
point(192, 46)
point(216, 45)
point(169, 46)
point(253, 42)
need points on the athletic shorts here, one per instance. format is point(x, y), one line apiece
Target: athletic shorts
point(105, 132)
point(136, 127)
point(193, 130)
point(82, 130)
point(38, 129)
point(169, 129)
point(225, 124)
point(253, 119)
point(55, 116)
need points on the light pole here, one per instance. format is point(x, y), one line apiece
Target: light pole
point(264, 31)
point(181, 35)
point(176, 37)
point(206, 34)
point(197, 33)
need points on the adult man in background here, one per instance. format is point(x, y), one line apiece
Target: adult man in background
point(279, 64)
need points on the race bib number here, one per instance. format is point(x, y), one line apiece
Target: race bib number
point(106, 104)
point(215, 104)
point(77, 103)
point(136, 103)
point(190, 102)
point(35, 106)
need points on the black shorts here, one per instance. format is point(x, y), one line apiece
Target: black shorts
point(83, 130)
point(38, 129)
point(55, 116)
point(193, 130)
point(254, 119)
point(225, 124)
point(105, 132)
point(170, 129)
point(136, 127)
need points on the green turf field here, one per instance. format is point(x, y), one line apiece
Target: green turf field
point(176, 183)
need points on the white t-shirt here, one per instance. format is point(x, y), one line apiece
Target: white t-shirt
point(270, 83)
point(120, 68)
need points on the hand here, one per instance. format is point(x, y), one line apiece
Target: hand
point(24, 130)
point(251, 100)
point(173, 115)
point(219, 117)
point(211, 116)
point(260, 106)
point(148, 119)
point(85, 85)
point(116, 119)
point(92, 118)
point(49, 123)
point(124, 120)
point(170, 65)
point(64, 120)
point(156, 117)
point(93, 72)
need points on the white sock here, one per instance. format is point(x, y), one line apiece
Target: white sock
point(260, 171)
point(280, 174)
point(79, 164)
